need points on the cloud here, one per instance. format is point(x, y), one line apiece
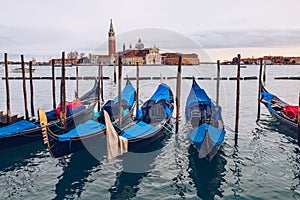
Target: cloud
point(41, 41)
point(249, 38)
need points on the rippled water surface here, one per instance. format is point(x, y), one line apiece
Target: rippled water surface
point(265, 165)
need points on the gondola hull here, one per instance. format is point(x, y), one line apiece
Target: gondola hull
point(205, 118)
point(285, 123)
point(96, 140)
point(137, 144)
point(35, 134)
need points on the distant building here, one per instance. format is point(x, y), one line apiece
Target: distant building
point(111, 57)
point(173, 59)
point(141, 55)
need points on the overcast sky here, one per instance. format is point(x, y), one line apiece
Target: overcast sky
point(222, 27)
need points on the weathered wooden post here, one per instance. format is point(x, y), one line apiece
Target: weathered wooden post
point(120, 90)
point(299, 121)
point(24, 87)
point(99, 88)
point(178, 87)
point(53, 85)
point(218, 82)
point(259, 89)
point(77, 82)
point(63, 92)
point(102, 86)
point(8, 119)
point(137, 87)
point(237, 113)
point(115, 73)
point(265, 73)
point(31, 90)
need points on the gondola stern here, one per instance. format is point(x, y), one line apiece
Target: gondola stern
point(44, 124)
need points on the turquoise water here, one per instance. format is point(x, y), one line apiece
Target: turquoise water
point(265, 165)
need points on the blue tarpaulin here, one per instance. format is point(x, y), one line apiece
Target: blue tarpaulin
point(162, 92)
point(86, 128)
point(16, 128)
point(267, 96)
point(216, 135)
point(197, 96)
point(128, 94)
point(138, 130)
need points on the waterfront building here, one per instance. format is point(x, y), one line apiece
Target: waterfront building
point(173, 59)
point(141, 55)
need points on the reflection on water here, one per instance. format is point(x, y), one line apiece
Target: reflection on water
point(135, 167)
point(76, 170)
point(19, 167)
point(207, 176)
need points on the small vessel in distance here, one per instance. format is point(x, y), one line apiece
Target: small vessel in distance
point(19, 70)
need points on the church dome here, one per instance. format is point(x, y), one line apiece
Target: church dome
point(139, 44)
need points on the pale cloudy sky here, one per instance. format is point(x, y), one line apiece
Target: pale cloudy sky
point(222, 27)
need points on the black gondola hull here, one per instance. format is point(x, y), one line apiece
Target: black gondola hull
point(137, 145)
point(93, 142)
point(35, 134)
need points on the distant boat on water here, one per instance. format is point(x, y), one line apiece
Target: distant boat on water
point(19, 70)
point(66, 65)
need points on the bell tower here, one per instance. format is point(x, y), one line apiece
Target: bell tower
point(111, 40)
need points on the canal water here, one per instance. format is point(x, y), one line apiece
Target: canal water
point(265, 165)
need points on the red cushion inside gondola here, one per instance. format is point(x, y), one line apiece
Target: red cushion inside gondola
point(72, 105)
point(291, 111)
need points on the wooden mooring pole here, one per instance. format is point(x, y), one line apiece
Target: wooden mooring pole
point(99, 88)
point(265, 72)
point(115, 73)
point(102, 86)
point(299, 121)
point(77, 94)
point(120, 90)
point(178, 91)
point(31, 90)
point(63, 92)
point(259, 90)
point(137, 88)
point(8, 119)
point(218, 82)
point(24, 88)
point(53, 85)
point(237, 100)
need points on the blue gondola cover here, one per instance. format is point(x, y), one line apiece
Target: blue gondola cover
point(216, 135)
point(16, 128)
point(86, 128)
point(138, 130)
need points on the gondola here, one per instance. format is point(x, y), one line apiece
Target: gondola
point(204, 117)
point(152, 124)
point(284, 113)
point(26, 131)
point(90, 134)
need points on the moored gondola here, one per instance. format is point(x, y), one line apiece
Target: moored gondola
point(90, 134)
point(284, 113)
point(25, 131)
point(204, 116)
point(153, 123)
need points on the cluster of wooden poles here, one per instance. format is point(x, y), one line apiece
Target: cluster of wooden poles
point(101, 97)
